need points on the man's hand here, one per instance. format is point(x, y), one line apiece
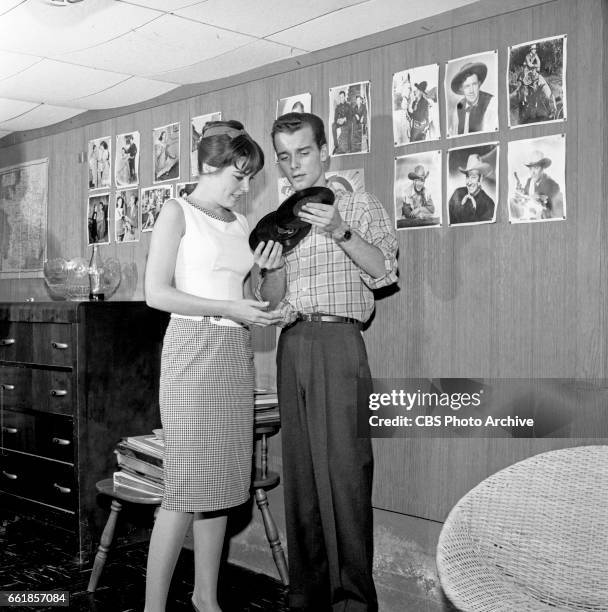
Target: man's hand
point(323, 216)
point(269, 255)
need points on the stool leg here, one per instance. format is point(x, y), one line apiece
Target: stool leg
point(104, 545)
point(272, 534)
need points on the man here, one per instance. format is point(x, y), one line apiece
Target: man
point(343, 116)
point(418, 113)
point(417, 202)
point(359, 116)
point(471, 204)
point(325, 292)
point(477, 111)
point(542, 187)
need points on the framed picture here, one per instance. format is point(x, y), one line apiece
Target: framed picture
point(537, 179)
point(152, 200)
point(99, 155)
point(97, 219)
point(417, 190)
point(536, 81)
point(126, 162)
point(165, 160)
point(350, 119)
point(471, 94)
point(472, 182)
point(127, 216)
point(415, 107)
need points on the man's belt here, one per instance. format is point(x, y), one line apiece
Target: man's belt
point(319, 317)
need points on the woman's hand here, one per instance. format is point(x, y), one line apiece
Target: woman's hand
point(269, 255)
point(252, 312)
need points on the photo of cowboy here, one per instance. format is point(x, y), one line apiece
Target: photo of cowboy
point(535, 192)
point(415, 108)
point(474, 202)
point(417, 190)
point(471, 94)
point(536, 81)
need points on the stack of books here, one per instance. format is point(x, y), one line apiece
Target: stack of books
point(140, 463)
point(266, 406)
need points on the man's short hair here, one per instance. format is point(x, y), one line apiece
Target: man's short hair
point(292, 122)
point(342, 93)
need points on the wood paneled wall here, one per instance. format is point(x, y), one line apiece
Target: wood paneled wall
point(489, 301)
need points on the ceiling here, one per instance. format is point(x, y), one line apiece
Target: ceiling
point(59, 61)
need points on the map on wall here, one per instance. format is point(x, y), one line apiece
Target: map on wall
point(23, 219)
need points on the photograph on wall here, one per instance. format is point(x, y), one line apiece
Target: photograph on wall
point(166, 152)
point(127, 216)
point(97, 219)
point(471, 94)
point(352, 181)
point(126, 162)
point(537, 179)
point(302, 103)
point(415, 108)
point(184, 189)
point(349, 119)
point(152, 200)
point(99, 154)
point(536, 81)
point(472, 184)
point(417, 190)
point(196, 130)
point(337, 180)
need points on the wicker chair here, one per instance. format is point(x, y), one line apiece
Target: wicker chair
point(532, 537)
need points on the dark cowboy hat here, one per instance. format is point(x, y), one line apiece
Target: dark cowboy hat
point(283, 225)
point(421, 86)
point(537, 158)
point(478, 68)
point(419, 173)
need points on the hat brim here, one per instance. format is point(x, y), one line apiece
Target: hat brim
point(287, 213)
point(417, 177)
point(267, 229)
point(483, 169)
point(544, 162)
point(478, 68)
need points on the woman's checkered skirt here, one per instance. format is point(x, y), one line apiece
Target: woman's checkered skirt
point(206, 406)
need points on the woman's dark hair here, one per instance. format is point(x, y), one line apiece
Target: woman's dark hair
point(226, 143)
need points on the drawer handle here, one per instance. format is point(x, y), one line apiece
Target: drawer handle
point(7, 387)
point(59, 345)
point(58, 392)
point(61, 441)
point(11, 430)
point(7, 341)
point(62, 489)
point(10, 476)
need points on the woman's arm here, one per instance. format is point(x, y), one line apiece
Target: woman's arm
point(160, 268)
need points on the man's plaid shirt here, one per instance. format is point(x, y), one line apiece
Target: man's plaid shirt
point(322, 278)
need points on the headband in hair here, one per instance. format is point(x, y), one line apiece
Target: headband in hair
point(218, 130)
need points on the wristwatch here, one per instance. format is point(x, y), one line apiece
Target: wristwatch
point(342, 234)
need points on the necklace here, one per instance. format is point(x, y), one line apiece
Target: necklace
point(230, 216)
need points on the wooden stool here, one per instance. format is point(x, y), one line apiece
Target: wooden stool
point(262, 481)
point(107, 488)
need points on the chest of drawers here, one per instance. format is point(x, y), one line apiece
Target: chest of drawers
point(74, 378)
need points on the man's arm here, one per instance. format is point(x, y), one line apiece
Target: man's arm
point(372, 245)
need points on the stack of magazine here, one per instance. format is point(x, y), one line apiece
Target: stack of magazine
point(266, 406)
point(140, 463)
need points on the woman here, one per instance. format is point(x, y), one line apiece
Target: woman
point(198, 261)
point(163, 159)
point(103, 165)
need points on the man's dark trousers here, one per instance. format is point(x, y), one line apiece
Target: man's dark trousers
point(327, 467)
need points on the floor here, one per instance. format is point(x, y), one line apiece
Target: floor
point(32, 558)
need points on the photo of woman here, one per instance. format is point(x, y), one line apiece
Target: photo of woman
point(166, 153)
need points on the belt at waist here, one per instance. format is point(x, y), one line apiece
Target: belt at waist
point(319, 317)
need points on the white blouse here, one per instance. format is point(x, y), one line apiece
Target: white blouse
point(213, 258)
